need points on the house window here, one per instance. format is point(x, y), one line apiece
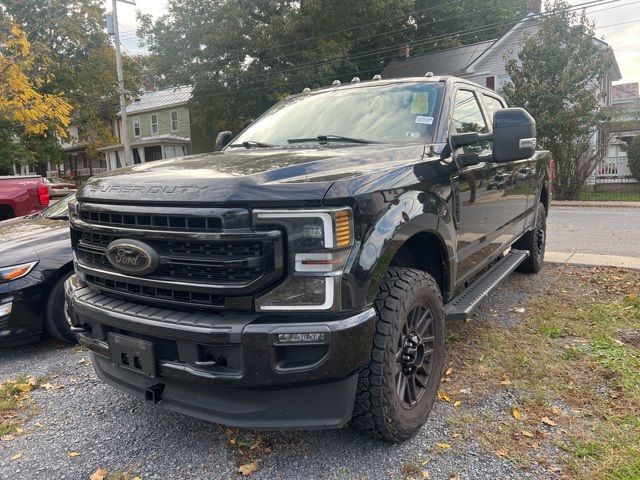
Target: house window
point(174, 121)
point(154, 124)
point(136, 127)
point(503, 80)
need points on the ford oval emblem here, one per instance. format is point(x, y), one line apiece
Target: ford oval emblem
point(132, 257)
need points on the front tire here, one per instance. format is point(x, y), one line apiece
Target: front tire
point(398, 388)
point(535, 241)
point(55, 321)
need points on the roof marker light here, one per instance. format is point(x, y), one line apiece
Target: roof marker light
point(355, 80)
point(429, 74)
point(336, 83)
point(306, 89)
point(377, 77)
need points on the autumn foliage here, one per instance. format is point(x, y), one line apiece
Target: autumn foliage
point(23, 77)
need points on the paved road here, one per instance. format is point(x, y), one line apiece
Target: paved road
point(602, 230)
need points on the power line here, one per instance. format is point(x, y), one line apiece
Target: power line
point(393, 48)
point(461, 33)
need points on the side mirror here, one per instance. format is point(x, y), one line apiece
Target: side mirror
point(223, 139)
point(514, 135)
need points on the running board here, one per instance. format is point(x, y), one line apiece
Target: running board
point(461, 307)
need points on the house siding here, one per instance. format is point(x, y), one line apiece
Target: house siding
point(495, 62)
point(164, 122)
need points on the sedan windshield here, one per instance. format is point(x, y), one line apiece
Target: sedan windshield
point(60, 209)
point(400, 112)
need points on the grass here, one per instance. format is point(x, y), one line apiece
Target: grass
point(571, 373)
point(13, 394)
point(610, 196)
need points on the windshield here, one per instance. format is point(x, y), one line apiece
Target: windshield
point(401, 112)
point(60, 209)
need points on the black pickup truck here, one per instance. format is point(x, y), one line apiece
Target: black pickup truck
point(301, 277)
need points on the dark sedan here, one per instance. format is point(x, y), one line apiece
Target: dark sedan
point(35, 260)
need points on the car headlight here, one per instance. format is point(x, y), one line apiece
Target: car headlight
point(319, 243)
point(15, 272)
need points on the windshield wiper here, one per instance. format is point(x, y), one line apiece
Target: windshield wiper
point(330, 138)
point(253, 144)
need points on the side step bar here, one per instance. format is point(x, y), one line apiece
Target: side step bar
point(461, 307)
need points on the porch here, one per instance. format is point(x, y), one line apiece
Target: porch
point(147, 149)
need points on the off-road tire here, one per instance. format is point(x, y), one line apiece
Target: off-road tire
point(534, 241)
point(55, 322)
point(378, 408)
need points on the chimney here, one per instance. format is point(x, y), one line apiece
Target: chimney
point(535, 6)
point(404, 51)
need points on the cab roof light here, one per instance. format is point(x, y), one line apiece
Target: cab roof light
point(377, 77)
point(336, 83)
point(355, 80)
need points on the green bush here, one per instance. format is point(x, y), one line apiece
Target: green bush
point(634, 157)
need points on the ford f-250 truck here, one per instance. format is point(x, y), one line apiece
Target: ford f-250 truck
point(301, 277)
point(22, 195)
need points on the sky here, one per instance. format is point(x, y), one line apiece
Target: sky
point(625, 39)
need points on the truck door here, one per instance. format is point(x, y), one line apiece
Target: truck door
point(480, 202)
point(515, 184)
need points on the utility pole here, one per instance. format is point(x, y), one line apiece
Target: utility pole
point(124, 131)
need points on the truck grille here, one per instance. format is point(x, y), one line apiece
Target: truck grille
point(221, 269)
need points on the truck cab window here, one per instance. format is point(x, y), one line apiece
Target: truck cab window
point(467, 118)
point(492, 105)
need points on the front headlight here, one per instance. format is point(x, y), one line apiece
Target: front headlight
point(319, 243)
point(15, 271)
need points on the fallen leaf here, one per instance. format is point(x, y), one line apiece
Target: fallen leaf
point(517, 414)
point(549, 422)
point(17, 456)
point(555, 410)
point(519, 310)
point(424, 474)
point(19, 430)
point(99, 474)
point(444, 446)
point(47, 386)
point(457, 403)
point(248, 468)
point(501, 453)
point(505, 380)
point(527, 434)
point(442, 395)
point(73, 454)
point(7, 438)
point(38, 424)
point(449, 371)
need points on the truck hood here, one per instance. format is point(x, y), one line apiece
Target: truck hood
point(21, 237)
point(296, 176)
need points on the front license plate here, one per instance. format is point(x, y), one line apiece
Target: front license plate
point(132, 354)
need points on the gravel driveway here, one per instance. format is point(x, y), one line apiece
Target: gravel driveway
point(110, 429)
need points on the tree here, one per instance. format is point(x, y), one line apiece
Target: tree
point(633, 156)
point(258, 51)
point(71, 34)
point(27, 114)
point(557, 77)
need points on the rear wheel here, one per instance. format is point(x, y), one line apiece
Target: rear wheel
point(535, 242)
point(396, 391)
point(55, 321)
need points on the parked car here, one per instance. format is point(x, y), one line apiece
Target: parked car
point(300, 277)
point(35, 261)
point(22, 195)
point(58, 187)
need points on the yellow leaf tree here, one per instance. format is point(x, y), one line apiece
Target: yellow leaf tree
point(25, 108)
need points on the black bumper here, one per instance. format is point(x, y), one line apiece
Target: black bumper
point(24, 299)
point(227, 368)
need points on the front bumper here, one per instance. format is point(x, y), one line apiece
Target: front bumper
point(20, 311)
point(230, 368)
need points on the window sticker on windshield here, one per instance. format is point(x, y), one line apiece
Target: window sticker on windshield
point(420, 102)
point(413, 135)
point(423, 119)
